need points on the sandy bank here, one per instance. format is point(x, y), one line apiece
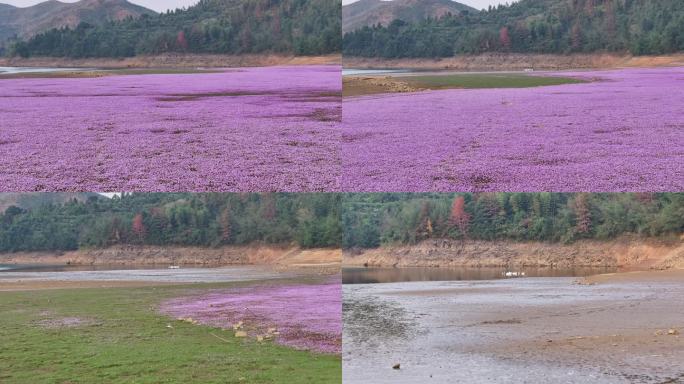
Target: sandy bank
point(283, 256)
point(663, 276)
point(630, 252)
point(172, 61)
point(514, 61)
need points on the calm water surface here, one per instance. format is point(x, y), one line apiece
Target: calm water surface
point(357, 72)
point(70, 268)
point(395, 275)
point(15, 70)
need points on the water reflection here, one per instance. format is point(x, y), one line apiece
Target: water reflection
point(17, 70)
point(392, 275)
point(73, 268)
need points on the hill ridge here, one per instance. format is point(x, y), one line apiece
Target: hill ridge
point(371, 12)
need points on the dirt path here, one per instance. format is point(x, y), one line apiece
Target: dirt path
point(531, 330)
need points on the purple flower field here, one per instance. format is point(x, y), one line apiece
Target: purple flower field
point(307, 316)
point(248, 129)
point(624, 131)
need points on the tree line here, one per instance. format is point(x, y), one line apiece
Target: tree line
point(334, 219)
point(531, 26)
point(300, 27)
point(206, 219)
point(371, 220)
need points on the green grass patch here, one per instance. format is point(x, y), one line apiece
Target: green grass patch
point(474, 81)
point(123, 339)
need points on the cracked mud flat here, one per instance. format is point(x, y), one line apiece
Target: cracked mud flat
point(514, 331)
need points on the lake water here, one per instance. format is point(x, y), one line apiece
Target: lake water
point(17, 70)
point(360, 72)
point(28, 273)
point(66, 268)
point(394, 275)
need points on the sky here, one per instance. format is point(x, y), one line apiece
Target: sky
point(477, 4)
point(157, 5)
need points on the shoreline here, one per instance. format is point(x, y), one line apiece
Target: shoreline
point(518, 62)
point(279, 256)
point(628, 252)
point(173, 61)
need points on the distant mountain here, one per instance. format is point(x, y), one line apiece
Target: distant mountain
point(29, 21)
point(532, 26)
point(298, 27)
point(372, 12)
point(34, 200)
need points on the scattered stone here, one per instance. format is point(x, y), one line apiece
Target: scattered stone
point(672, 332)
point(396, 366)
point(66, 322)
point(240, 334)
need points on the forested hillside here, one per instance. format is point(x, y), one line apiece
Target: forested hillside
point(25, 22)
point(370, 220)
point(300, 27)
point(532, 26)
point(210, 220)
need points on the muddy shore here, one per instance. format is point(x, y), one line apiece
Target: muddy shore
point(172, 61)
point(518, 62)
point(629, 252)
point(550, 330)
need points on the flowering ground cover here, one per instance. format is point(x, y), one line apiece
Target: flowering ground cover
point(621, 131)
point(248, 129)
point(305, 316)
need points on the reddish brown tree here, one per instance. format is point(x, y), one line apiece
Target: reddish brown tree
point(139, 227)
point(505, 38)
point(424, 229)
point(182, 41)
point(459, 217)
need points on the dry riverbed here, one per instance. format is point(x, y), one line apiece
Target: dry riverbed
point(606, 329)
